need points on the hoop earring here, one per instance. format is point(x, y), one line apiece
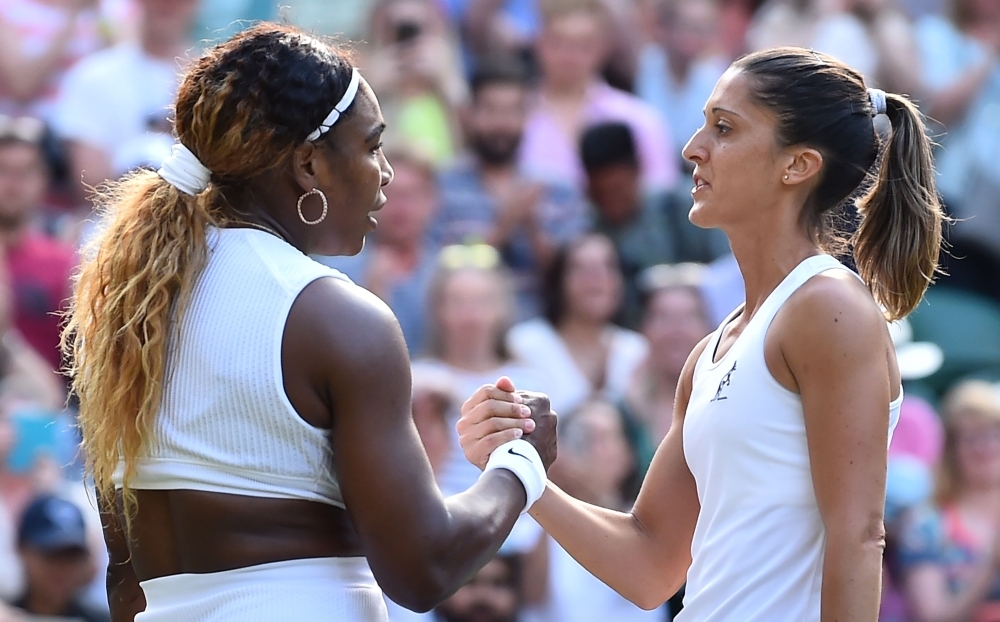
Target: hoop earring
point(326, 206)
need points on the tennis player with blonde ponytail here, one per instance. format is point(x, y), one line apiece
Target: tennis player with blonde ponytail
point(766, 495)
point(244, 409)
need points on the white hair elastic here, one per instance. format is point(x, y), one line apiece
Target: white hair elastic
point(342, 105)
point(183, 170)
point(877, 98)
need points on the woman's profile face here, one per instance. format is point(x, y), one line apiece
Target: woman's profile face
point(471, 308)
point(593, 280)
point(737, 171)
point(977, 450)
point(351, 170)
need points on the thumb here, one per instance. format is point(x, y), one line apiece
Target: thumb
point(506, 384)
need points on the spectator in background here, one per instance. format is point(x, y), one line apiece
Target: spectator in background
point(871, 36)
point(39, 266)
point(486, 197)
point(493, 594)
point(594, 464)
point(647, 229)
point(397, 262)
point(415, 66)
point(581, 353)
point(510, 27)
point(53, 543)
point(11, 572)
point(961, 77)
point(675, 319)
point(571, 49)
point(678, 71)
point(24, 375)
point(121, 96)
point(470, 309)
point(39, 41)
point(949, 555)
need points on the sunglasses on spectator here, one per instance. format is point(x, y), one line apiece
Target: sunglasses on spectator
point(458, 256)
point(24, 129)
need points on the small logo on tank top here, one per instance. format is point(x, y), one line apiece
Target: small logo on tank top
point(723, 384)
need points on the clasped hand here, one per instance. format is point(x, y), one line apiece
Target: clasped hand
point(498, 413)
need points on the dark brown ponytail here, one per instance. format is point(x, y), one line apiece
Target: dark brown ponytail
point(899, 240)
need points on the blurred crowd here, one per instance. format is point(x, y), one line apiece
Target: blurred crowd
point(536, 228)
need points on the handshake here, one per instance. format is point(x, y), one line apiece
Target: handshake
point(497, 414)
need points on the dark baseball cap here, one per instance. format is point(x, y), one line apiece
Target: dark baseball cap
point(52, 524)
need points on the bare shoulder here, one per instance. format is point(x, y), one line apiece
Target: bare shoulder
point(340, 339)
point(344, 319)
point(832, 313)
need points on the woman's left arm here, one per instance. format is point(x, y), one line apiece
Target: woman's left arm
point(836, 345)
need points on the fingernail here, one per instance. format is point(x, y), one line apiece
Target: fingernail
point(518, 433)
point(529, 425)
point(525, 411)
point(518, 399)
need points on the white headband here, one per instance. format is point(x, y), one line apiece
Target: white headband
point(183, 170)
point(877, 98)
point(342, 105)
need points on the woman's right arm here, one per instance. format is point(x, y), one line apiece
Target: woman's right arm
point(643, 554)
point(421, 547)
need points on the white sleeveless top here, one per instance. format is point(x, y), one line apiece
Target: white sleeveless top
point(225, 424)
point(757, 552)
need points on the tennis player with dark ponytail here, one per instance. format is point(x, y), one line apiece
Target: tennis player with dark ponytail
point(767, 494)
point(245, 410)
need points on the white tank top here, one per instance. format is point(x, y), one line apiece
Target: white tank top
point(757, 552)
point(225, 424)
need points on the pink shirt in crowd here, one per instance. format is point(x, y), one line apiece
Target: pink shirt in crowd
point(40, 269)
point(549, 154)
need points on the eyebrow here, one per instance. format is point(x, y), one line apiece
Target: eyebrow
point(375, 131)
point(716, 109)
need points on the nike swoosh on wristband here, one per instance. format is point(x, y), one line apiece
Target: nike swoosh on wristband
point(510, 450)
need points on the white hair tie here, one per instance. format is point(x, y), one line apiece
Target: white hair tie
point(877, 98)
point(183, 170)
point(342, 105)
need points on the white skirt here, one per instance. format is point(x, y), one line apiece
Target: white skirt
point(340, 589)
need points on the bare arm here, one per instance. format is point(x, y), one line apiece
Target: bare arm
point(836, 345)
point(125, 597)
point(384, 474)
point(644, 554)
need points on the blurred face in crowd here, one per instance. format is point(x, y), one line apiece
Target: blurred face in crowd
point(23, 181)
point(430, 412)
point(737, 158)
point(593, 280)
point(674, 323)
point(572, 48)
point(606, 456)
point(496, 120)
point(472, 311)
point(615, 190)
point(977, 449)
point(407, 20)
point(410, 202)
point(56, 577)
point(168, 21)
point(491, 596)
point(688, 27)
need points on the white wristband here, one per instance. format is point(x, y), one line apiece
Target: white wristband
point(522, 459)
